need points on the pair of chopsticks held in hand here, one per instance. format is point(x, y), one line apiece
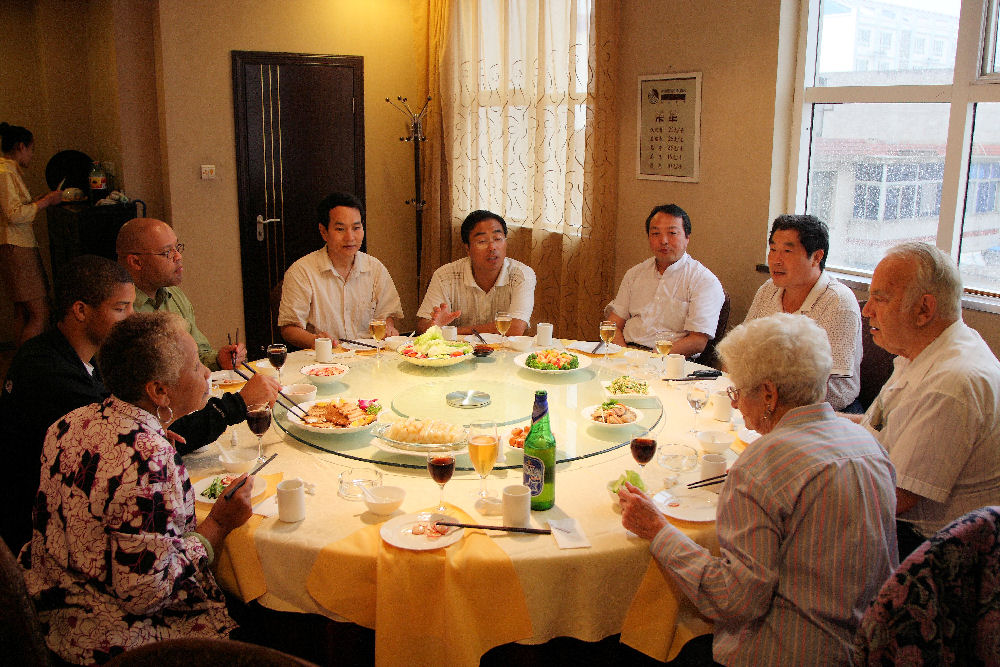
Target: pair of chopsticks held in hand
point(289, 405)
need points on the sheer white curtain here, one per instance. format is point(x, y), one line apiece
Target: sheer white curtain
point(515, 92)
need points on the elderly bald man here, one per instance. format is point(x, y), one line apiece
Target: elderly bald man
point(149, 250)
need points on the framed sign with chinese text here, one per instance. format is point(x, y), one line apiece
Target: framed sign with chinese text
point(669, 127)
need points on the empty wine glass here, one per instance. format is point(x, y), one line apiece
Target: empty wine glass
point(697, 397)
point(676, 459)
point(259, 420)
point(441, 466)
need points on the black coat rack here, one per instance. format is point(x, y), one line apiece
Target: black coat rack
point(416, 137)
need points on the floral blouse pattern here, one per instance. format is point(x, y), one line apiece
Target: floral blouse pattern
point(111, 564)
point(942, 605)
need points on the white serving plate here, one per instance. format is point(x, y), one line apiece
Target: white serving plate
point(299, 423)
point(520, 360)
point(586, 412)
point(435, 362)
point(417, 447)
point(622, 397)
point(696, 505)
point(324, 379)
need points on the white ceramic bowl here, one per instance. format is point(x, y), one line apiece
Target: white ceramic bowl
point(715, 442)
point(521, 343)
point(239, 460)
point(392, 342)
point(330, 373)
point(300, 393)
point(389, 499)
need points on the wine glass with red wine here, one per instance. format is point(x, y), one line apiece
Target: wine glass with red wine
point(441, 466)
point(259, 420)
point(277, 353)
point(643, 450)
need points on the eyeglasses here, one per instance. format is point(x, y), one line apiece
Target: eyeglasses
point(733, 393)
point(485, 243)
point(165, 254)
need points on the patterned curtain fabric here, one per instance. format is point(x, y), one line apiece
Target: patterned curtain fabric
point(526, 94)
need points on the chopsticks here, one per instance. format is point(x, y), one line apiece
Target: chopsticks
point(509, 529)
point(292, 405)
point(597, 347)
point(479, 336)
point(229, 494)
point(233, 352)
point(358, 342)
point(708, 481)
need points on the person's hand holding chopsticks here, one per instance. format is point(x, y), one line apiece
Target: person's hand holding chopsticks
point(259, 389)
point(226, 353)
point(227, 513)
point(639, 514)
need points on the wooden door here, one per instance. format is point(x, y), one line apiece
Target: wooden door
point(299, 136)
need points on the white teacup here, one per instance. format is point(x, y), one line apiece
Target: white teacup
point(449, 332)
point(324, 350)
point(720, 407)
point(543, 334)
point(291, 500)
point(673, 367)
point(713, 465)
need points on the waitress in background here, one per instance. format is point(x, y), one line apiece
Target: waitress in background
point(21, 268)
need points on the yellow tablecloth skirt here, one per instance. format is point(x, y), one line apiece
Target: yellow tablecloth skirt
point(445, 606)
point(237, 566)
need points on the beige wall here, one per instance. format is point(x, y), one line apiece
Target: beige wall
point(733, 45)
point(197, 112)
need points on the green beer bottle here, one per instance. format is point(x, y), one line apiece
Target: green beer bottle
point(540, 456)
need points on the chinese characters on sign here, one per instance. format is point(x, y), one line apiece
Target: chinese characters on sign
point(669, 126)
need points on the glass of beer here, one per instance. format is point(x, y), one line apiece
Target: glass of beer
point(664, 345)
point(377, 330)
point(484, 446)
point(503, 320)
point(608, 331)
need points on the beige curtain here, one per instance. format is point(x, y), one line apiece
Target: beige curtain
point(526, 92)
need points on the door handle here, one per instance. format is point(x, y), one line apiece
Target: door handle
point(260, 226)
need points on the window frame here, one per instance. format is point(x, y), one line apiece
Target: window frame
point(972, 83)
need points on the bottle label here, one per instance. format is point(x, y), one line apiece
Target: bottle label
point(534, 474)
point(98, 182)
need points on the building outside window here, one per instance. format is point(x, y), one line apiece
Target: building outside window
point(897, 141)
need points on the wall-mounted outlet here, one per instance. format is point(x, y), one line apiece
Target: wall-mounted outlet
point(207, 171)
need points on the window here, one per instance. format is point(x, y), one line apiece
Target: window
point(517, 113)
point(905, 145)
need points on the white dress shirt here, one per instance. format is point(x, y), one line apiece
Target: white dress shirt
point(317, 298)
point(939, 418)
point(833, 306)
point(685, 298)
point(453, 284)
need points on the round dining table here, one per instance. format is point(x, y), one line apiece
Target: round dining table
point(454, 603)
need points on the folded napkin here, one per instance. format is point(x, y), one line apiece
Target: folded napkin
point(237, 566)
point(568, 534)
point(468, 594)
point(661, 619)
point(267, 507)
point(587, 347)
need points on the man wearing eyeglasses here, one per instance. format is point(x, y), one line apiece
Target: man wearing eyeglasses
point(469, 292)
point(149, 250)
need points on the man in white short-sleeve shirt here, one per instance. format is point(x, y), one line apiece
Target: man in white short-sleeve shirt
point(796, 258)
point(937, 415)
point(469, 292)
point(336, 291)
point(670, 292)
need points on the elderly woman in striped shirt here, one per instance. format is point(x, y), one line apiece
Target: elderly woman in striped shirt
point(806, 518)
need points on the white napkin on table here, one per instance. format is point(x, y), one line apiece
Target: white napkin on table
point(568, 534)
point(589, 345)
point(267, 507)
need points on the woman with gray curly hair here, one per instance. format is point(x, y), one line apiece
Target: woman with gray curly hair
point(805, 519)
point(116, 558)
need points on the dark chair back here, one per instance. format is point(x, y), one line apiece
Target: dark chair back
point(188, 652)
point(942, 604)
point(709, 357)
point(21, 638)
point(876, 366)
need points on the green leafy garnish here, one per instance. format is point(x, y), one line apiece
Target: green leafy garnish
point(630, 476)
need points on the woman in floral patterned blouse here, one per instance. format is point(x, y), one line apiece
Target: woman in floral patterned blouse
point(116, 559)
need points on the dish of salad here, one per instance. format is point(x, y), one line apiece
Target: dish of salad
point(431, 349)
point(627, 387)
point(551, 361)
